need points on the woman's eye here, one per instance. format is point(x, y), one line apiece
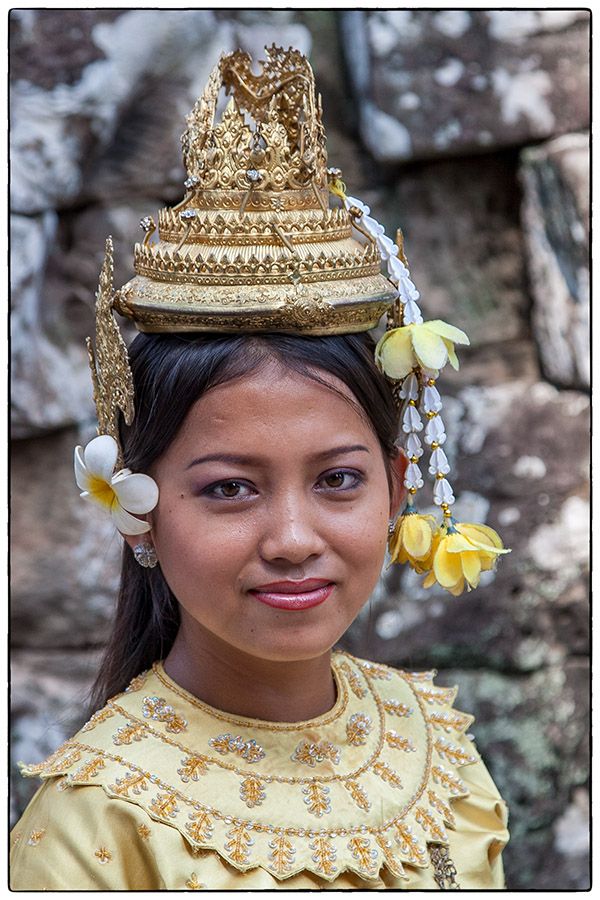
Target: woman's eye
point(230, 490)
point(340, 480)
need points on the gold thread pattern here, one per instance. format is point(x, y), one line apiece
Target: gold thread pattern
point(252, 791)
point(310, 753)
point(97, 718)
point(399, 743)
point(128, 733)
point(429, 824)
point(387, 774)
point(282, 854)
point(246, 749)
point(354, 681)
point(239, 843)
point(409, 845)
point(324, 854)
point(453, 753)
point(450, 720)
point(201, 826)
point(358, 794)
point(192, 767)
point(358, 728)
point(103, 855)
point(165, 806)
point(36, 836)
point(396, 708)
point(448, 780)
point(137, 683)
point(364, 853)
point(88, 770)
point(316, 797)
point(156, 708)
point(134, 781)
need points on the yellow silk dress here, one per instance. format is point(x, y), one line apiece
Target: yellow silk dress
point(159, 791)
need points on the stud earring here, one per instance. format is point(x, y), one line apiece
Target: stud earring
point(145, 555)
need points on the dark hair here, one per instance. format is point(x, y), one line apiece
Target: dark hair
point(170, 372)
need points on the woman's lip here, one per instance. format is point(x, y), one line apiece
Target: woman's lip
point(293, 587)
point(296, 599)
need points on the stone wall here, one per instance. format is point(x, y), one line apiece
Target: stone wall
point(469, 128)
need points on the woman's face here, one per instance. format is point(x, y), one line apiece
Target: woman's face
point(273, 515)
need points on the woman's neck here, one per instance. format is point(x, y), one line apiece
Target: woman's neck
point(234, 682)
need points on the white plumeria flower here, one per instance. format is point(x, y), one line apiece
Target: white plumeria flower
point(121, 493)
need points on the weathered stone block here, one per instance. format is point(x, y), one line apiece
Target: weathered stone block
point(65, 553)
point(448, 82)
point(555, 180)
point(461, 224)
point(49, 386)
point(49, 700)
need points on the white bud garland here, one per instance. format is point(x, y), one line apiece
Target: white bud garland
point(413, 477)
point(417, 389)
point(410, 388)
point(438, 464)
point(414, 446)
point(434, 430)
point(411, 420)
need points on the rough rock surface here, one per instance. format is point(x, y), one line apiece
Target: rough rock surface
point(65, 553)
point(495, 225)
point(556, 182)
point(49, 702)
point(447, 82)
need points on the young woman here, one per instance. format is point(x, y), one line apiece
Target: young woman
point(231, 747)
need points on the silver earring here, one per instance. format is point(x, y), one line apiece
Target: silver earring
point(391, 527)
point(145, 555)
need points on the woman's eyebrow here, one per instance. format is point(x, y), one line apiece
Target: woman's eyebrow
point(339, 451)
point(231, 458)
point(243, 460)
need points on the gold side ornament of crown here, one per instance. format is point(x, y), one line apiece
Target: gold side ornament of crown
point(112, 380)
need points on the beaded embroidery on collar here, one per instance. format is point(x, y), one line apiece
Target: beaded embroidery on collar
point(358, 808)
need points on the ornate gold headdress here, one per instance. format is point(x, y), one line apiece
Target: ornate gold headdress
point(255, 247)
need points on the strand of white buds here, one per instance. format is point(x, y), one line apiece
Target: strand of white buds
point(435, 436)
point(419, 397)
point(397, 271)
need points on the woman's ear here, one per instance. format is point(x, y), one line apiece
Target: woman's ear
point(134, 539)
point(398, 494)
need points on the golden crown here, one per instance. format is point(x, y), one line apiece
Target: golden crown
point(253, 245)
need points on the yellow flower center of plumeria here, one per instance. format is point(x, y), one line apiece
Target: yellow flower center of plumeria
point(102, 491)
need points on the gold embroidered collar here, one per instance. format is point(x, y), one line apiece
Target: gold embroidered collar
point(368, 784)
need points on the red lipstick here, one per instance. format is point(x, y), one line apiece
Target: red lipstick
point(294, 595)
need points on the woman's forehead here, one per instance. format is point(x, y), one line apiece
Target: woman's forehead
point(275, 402)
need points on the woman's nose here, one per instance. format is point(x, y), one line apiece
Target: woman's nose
point(291, 532)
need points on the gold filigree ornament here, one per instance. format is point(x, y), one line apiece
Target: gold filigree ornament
point(253, 245)
point(109, 361)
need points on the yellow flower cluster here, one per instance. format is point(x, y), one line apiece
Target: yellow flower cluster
point(452, 555)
